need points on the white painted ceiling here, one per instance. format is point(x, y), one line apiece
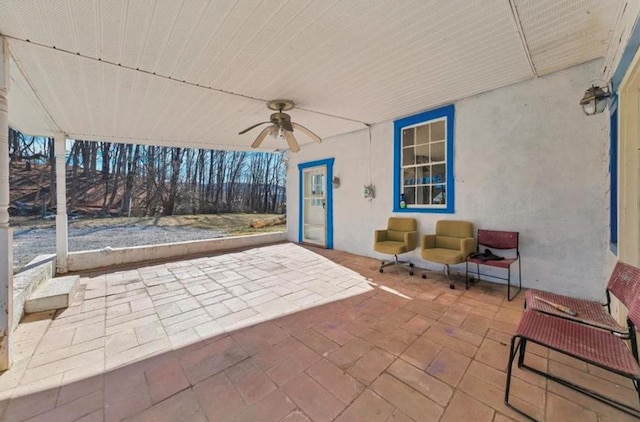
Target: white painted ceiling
point(196, 72)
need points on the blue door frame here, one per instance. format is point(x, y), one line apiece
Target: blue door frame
point(328, 162)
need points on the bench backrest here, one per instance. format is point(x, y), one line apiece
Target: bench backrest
point(625, 285)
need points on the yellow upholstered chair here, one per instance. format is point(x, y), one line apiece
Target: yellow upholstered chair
point(452, 244)
point(401, 236)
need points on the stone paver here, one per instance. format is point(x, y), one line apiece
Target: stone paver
point(284, 332)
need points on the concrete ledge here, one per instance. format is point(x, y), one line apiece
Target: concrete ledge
point(55, 293)
point(108, 257)
point(39, 270)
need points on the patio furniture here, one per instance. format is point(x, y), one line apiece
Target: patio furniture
point(400, 236)
point(496, 240)
point(624, 284)
point(451, 244)
point(586, 343)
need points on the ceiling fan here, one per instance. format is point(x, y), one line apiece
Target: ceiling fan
point(281, 126)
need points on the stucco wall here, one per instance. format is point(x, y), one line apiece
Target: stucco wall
point(526, 159)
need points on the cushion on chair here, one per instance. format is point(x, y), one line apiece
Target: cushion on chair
point(395, 235)
point(447, 242)
point(443, 256)
point(390, 247)
point(402, 224)
point(454, 228)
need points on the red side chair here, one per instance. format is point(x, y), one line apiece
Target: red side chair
point(501, 241)
point(624, 284)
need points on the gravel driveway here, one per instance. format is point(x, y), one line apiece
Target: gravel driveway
point(33, 241)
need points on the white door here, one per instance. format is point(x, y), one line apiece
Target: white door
point(314, 206)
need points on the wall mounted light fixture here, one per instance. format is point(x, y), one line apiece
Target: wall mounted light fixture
point(595, 99)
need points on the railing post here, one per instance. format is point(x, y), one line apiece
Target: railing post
point(62, 240)
point(6, 234)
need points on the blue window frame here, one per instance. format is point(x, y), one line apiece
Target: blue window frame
point(613, 177)
point(423, 162)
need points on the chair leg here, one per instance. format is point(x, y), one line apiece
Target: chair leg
point(512, 354)
point(633, 338)
point(446, 271)
point(466, 275)
point(509, 297)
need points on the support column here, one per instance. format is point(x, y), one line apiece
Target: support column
point(62, 239)
point(6, 234)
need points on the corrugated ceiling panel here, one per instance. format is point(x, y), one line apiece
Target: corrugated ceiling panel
point(128, 105)
point(84, 26)
point(626, 19)
point(157, 34)
point(368, 60)
point(561, 34)
point(204, 31)
point(26, 112)
point(111, 22)
point(179, 36)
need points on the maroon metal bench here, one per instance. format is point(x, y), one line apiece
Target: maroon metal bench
point(497, 240)
point(624, 284)
point(583, 342)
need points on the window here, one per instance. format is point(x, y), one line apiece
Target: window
point(423, 173)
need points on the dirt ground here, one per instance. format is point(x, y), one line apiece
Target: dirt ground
point(33, 236)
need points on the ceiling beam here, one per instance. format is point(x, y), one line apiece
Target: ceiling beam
point(523, 38)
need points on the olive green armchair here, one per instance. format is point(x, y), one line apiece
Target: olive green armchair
point(401, 236)
point(452, 244)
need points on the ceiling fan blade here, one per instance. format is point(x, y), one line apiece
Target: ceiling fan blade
point(286, 125)
point(291, 140)
point(266, 131)
point(251, 127)
point(307, 132)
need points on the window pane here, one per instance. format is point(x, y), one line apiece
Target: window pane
point(438, 195)
point(438, 173)
point(423, 195)
point(407, 137)
point(422, 175)
point(410, 195)
point(409, 176)
point(422, 134)
point(422, 154)
point(437, 151)
point(408, 156)
point(437, 131)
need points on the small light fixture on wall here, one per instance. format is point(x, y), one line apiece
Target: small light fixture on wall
point(336, 182)
point(595, 99)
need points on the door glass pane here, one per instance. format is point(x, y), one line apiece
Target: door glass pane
point(314, 211)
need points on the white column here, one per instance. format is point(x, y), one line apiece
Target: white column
point(62, 240)
point(6, 235)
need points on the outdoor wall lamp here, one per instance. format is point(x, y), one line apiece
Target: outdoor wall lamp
point(595, 100)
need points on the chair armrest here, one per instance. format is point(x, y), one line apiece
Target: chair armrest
point(467, 246)
point(380, 236)
point(411, 240)
point(428, 241)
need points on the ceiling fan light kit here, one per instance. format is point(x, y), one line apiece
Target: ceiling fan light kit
point(281, 126)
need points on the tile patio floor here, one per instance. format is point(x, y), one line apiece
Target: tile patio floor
point(286, 333)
